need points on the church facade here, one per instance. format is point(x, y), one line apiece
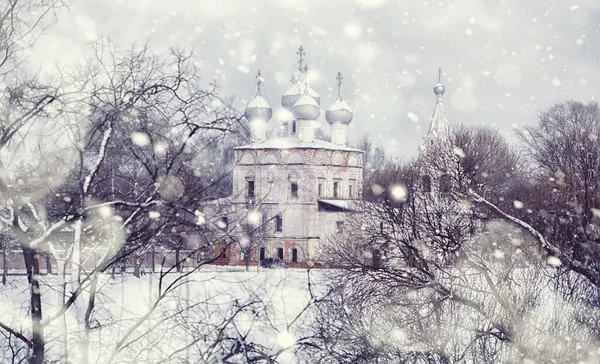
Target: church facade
point(293, 192)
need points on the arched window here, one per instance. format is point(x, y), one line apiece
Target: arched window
point(280, 253)
point(294, 127)
point(426, 183)
point(294, 255)
point(445, 184)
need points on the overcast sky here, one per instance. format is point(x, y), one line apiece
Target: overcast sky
point(502, 61)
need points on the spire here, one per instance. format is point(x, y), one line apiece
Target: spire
point(439, 128)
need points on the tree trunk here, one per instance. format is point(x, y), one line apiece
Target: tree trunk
point(37, 330)
point(4, 267)
point(84, 344)
point(76, 256)
point(178, 266)
point(48, 264)
point(153, 271)
point(136, 266)
point(61, 271)
point(247, 260)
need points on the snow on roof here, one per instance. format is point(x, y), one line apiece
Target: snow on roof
point(258, 102)
point(339, 205)
point(298, 89)
point(340, 105)
point(293, 142)
point(306, 100)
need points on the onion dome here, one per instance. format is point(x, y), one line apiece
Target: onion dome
point(258, 108)
point(340, 111)
point(306, 108)
point(294, 93)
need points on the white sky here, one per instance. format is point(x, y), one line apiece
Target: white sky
point(503, 61)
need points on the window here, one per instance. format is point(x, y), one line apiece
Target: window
point(445, 183)
point(278, 223)
point(224, 253)
point(336, 186)
point(280, 253)
point(223, 223)
point(351, 190)
point(426, 184)
point(250, 188)
point(321, 187)
point(294, 127)
point(294, 255)
point(294, 189)
point(339, 225)
point(262, 254)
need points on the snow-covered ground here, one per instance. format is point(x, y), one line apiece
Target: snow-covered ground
point(215, 304)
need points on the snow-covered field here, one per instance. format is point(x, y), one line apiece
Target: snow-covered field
point(207, 315)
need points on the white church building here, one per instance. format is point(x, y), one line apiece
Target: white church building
point(292, 192)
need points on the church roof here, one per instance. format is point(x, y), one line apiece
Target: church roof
point(337, 205)
point(294, 142)
point(258, 102)
point(439, 123)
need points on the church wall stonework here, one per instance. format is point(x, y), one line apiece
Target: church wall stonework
point(272, 172)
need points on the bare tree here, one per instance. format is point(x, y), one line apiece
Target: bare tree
point(158, 106)
point(375, 160)
point(431, 281)
point(565, 193)
point(491, 165)
point(426, 276)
